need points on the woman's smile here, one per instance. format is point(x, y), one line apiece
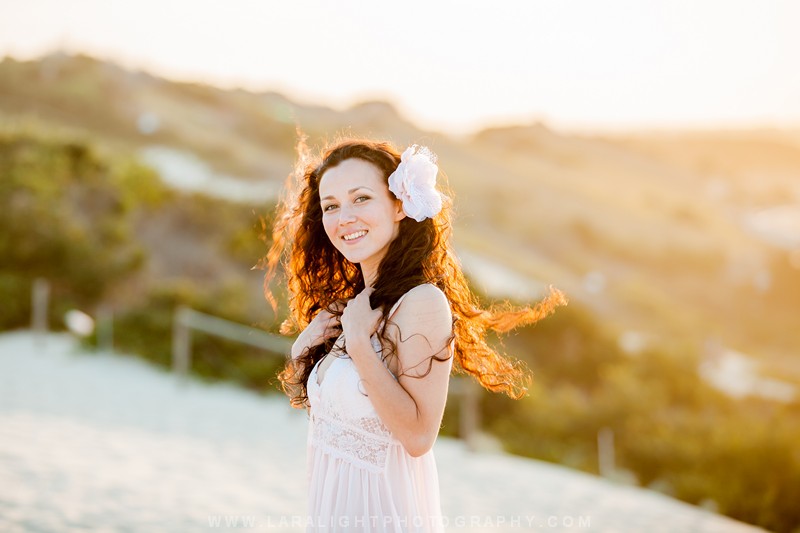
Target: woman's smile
point(354, 237)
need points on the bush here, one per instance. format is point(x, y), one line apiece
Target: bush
point(671, 429)
point(65, 216)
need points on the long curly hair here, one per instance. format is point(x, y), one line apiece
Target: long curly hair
point(318, 275)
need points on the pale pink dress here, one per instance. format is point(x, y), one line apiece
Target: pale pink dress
point(360, 477)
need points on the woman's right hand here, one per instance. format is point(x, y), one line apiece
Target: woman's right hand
point(325, 324)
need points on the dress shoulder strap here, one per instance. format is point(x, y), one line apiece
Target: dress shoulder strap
point(395, 306)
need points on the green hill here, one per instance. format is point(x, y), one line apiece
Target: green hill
point(646, 229)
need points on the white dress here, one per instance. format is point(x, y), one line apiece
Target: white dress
point(360, 477)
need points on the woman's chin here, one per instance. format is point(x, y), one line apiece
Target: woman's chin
point(353, 258)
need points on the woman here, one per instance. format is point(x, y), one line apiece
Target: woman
point(385, 312)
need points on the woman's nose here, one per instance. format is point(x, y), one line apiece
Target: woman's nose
point(346, 214)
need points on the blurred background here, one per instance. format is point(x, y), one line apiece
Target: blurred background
point(642, 157)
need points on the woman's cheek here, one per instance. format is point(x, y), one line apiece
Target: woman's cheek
point(329, 226)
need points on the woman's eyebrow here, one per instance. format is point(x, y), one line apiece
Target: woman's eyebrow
point(351, 191)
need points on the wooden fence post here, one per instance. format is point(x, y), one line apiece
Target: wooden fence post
point(181, 343)
point(605, 452)
point(105, 328)
point(40, 302)
point(468, 395)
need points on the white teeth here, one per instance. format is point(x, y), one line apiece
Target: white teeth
point(355, 235)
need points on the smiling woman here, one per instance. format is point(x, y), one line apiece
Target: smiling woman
point(360, 222)
point(385, 313)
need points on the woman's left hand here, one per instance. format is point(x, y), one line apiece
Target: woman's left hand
point(359, 319)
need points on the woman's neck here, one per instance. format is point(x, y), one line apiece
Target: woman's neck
point(369, 275)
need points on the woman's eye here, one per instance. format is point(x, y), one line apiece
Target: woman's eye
point(327, 207)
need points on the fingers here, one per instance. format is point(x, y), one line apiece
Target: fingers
point(364, 294)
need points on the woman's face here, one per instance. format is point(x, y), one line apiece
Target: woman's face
point(360, 215)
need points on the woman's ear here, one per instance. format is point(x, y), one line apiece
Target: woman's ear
point(399, 213)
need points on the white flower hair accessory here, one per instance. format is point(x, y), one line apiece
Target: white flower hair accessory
point(414, 182)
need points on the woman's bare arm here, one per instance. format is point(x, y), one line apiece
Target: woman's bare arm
point(410, 407)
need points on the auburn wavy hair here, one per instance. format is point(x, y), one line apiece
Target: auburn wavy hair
point(318, 275)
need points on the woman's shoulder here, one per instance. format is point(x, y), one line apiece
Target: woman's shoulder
point(426, 290)
point(423, 299)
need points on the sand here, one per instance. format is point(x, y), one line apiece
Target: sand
point(93, 441)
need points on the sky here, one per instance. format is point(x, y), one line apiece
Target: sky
point(456, 65)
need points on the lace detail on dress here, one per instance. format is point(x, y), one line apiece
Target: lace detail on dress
point(364, 442)
point(344, 423)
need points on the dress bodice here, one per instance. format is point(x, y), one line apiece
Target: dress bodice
point(351, 425)
point(360, 477)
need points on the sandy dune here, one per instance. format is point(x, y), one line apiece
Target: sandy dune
point(101, 442)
